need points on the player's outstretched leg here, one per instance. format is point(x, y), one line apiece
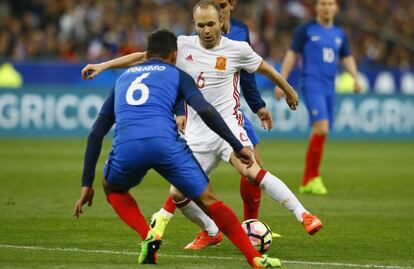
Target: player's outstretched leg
point(210, 234)
point(229, 224)
point(159, 220)
point(278, 191)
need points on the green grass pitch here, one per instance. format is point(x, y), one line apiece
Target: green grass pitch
point(368, 215)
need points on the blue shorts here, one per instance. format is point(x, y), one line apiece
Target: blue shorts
point(128, 163)
point(320, 106)
point(248, 126)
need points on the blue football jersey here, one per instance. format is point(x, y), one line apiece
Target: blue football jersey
point(238, 31)
point(320, 48)
point(145, 96)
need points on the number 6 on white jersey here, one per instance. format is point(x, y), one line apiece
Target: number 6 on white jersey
point(136, 85)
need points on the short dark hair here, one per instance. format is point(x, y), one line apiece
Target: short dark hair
point(161, 43)
point(206, 4)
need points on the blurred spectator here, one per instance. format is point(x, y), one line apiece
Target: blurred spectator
point(93, 30)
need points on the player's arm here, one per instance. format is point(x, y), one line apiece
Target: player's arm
point(271, 73)
point(92, 70)
point(180, 118)
point(349, 63)
point(287, 66)
point(100, 128)
point(298, 42)
point(350, 66)
point(254, 99)
point(252, 95)
point(211, 117)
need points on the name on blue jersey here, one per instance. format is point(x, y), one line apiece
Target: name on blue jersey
point(146, 68)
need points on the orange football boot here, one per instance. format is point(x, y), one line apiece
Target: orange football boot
point(204, 240)
point(311, 223)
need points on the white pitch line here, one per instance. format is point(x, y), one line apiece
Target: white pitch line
point(103, 251)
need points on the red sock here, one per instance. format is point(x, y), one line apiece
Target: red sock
point(313, 157)
point(169, 205)
point(251, 195)
point(127, 209)
point(228, 223)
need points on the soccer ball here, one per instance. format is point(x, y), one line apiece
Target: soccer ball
point(259, 234)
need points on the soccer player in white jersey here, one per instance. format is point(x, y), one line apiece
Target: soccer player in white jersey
point(214, 62)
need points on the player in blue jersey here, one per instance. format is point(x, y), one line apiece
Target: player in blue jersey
point(321, 44)
point(146, 138)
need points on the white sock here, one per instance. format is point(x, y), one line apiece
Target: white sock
point(278, 191)
point(165, 213)
point(196, 215)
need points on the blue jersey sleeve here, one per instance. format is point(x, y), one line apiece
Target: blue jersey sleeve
point(250, 92)
point(345, 50)
point(100, 128)
point(186, 85)
point(180, 107)
point(108, 106)
point(299, 39)
point(249, 87)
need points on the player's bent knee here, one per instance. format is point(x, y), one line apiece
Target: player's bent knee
point(208, 197)
point(321, 127)
point(176, 195)
point(110, 188)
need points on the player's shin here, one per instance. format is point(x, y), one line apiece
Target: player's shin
point(193, 212)
point(127, 209)
point(169, 205)
point(251, 196)
point(278, 190)
point(313, 157)
point(229, 224)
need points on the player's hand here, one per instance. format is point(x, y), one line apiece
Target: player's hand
point(357, 87)
point(91, 70)
point(279, 93)
point(181, 121)
point(86, 197)
point(245, 155)
point(292, 98)
point(266, 118)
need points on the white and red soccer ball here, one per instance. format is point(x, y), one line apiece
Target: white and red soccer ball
point(259, 234)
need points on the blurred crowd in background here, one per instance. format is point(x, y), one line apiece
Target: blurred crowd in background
point(381, 31)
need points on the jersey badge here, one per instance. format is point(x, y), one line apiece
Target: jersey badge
point(221, 63)
point(189, 58)
point(338, 41)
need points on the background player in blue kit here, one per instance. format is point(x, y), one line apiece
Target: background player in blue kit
point(146, 137)
point(321, 45)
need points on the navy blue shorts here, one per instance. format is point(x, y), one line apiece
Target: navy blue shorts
point(320, 106)
point(128, 163)
point(248, 126)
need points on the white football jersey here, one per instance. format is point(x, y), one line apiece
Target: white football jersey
point(216, 72)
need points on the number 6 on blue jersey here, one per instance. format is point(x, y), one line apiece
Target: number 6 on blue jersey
point(137, 85)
